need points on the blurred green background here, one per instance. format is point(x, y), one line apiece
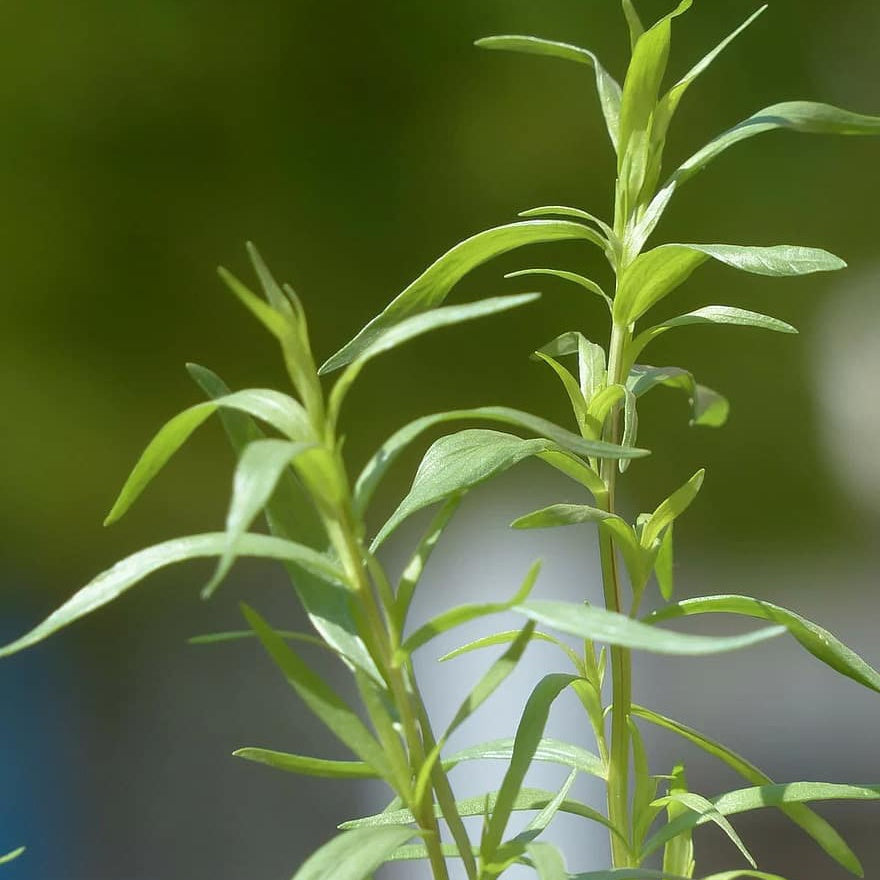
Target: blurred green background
point(144, 142)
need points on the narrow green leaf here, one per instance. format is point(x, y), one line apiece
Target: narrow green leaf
point(607, 87)
point(572, 388)
point(419, 852)
point(244, 634)
point(757, 798)
point(678, 853)
point(308, 766)
point(630, 425)
point(565, 211)
point(548, 861)
point(672, 508)
point(130, 571)
point(528, 736)
point(256, 476)
point(817, 640)
point(550, 751)
point(276, 409)
point(378, 465)
point(319, 696)
point(812, 823)
point(656, 273)
point(573, 277)
point(454, 617)
point(504, 638)
point(11, 855)
point(664, 567)
point(354, 855)
point(579, 471)
point(591, 360)
point(733, 875)
point(644, 811)
point(708, 408)
point(634, 23)
point(601, 625)
point(707, 809)
point(270, 286)
point(432, 287)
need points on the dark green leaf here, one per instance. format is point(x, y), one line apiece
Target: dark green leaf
point(354, 855)
point(432, 287)
point(601, 625)
point(608, 88)
point(130, 571)
point(817, 640)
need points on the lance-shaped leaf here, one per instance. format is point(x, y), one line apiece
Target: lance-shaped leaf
point(132, 570)
point(8, 857)
point(634, 23)
point(670, 509)
point(323, 701)
point(678, 854)
point(759, 797)
point(432, 287)
point(547, 861)
point(579, 213)
point(817, 640)
point(504, 638)
point(291, 514)
point(354, 855)
point(708, 408)
point(550, 751)
point(607, 87)
point(592, 374)
point(645, 874)
point(812, 823)
point(572, 388)
point(307, 766)
point(573, 277)
point(454, 617)
point(656, 273)
point(664, 567)
point(276, 409)
point(256, 476)
point(378, 465)
point(801, 116)
point(587, 622)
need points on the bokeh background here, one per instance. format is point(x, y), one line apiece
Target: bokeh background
point(144, 142)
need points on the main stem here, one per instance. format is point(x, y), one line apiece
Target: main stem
point(621, 666)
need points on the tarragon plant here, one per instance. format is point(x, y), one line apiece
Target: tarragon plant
point(297, 477)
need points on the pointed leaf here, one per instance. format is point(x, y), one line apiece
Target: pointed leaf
point(282, 412)
point(565, 211)
point(307, 766)
point(378, 465)
point(572, 388)
point(587, 622)
point(504, 638)
point(8, 857)
point(664, 567)
point(573, 277)
point(549, 751)
point(130, 571)
point(812, 823)
point(319, 696)
point(609, 90)
point(634, 23)
point(817, 640)
point(672, 508)
point(354, 855)
point(432, 287)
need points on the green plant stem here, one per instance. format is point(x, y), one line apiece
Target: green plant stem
point(621, 664)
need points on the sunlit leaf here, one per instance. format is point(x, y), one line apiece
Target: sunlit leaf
point(573, 277)
point(132, 570)
point(812, 823)
point(8, 857)
point(607, 87)
point(565, 211)
point(670, 509)
point(432, 287)
point(601, 625)
point(816, 639)
point(634, 23)
point(354, 855)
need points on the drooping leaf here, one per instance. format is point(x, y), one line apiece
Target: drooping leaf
point(578, 213)
point(354, 855)
point(817, 640)
point(508, 636)
point(432, 287)
point(454, 617)
point(378, 465)
point(276, 409)
point(549, 751)
point(587, 622)
point(573, 277)
point(323, 701)
point(757, 798)
point(572, 388)
point(708, 408)
point(656, 273)
point(258, 472)
point(608, 88)
point(812, 823)
point(528, 735)
point(308, 766)
point(130, 571)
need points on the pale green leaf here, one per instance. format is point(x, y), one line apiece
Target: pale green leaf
point(256, 476)
point(817, 640)
point(670, 509)
point(432, 287)
point(276, 409)
point(634, 23)
point(504, 638)
point(573, 277)
point(664, 567)
point(8, 857)
point(323, 701)
point(548, 861)
point(757, 798)
point(812, 823)
point(378, 465)
point(354, 855)
point(565, 211)
point(130, 571)
point(678, 853)
point(607, 87)
point(550, 751)
point(598, 624)
point(308, 766)
point(572, 388)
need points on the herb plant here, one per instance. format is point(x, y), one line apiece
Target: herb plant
point(297, 477)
